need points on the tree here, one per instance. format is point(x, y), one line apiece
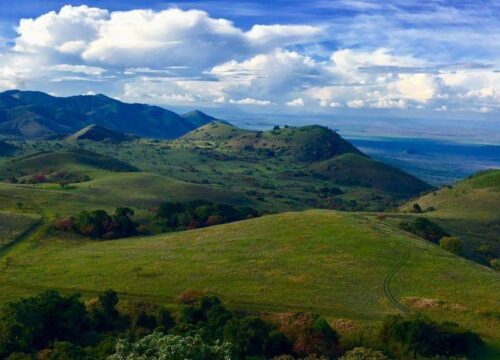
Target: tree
point(424, 228)
point(170, 347)
point(310, 334)
point(417, 208)
point(362, 353)
point(416, 336)
point(451, 244)
point(248, 336)
point(35, 322)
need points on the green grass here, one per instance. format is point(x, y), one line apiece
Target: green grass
point(329, 262)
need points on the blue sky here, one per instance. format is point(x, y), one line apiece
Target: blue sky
point(360, 60)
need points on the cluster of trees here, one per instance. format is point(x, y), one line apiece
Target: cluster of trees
point(99, 224)
point(424, 228)
point(172, 216)
point(417, 337)
point(53, 326)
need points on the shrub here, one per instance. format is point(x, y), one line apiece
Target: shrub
point(495, 264)
point(451, 244)
point(417, 335)
point(416, 208)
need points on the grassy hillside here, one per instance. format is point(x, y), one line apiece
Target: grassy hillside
point(109, 190)
point(353, 169)
point(475, 198)
point(314, 260)
point(470, 210)
point(71, 160)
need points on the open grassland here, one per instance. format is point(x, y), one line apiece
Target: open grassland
point(324, 261)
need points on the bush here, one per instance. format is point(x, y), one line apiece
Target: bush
point(424, 228)
point(451, 244)
point(495, 264)
point(412, 336)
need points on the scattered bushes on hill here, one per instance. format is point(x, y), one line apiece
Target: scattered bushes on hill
point(424, 228)
point(99, 224)
point(416, 336)
point(195, 214)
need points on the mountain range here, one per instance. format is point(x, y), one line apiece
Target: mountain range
point(33, 114)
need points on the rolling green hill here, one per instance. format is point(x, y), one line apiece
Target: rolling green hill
point(353, 169)
point(70, 159)
point(31, 114)
point(470, 210)
point(342, 265)
point(475, 198)
point(308, 143)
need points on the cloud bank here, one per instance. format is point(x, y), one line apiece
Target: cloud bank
point(365, 61)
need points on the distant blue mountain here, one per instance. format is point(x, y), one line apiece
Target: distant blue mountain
point(32, 114)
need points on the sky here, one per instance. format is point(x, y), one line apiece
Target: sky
point(358, 62)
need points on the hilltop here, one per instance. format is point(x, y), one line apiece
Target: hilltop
point(99, 133)
point(199, 118)
point(312, 261)
point(32, 114)
point(307, 143)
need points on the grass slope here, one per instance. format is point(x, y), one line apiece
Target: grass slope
point(333, 263)
point(71, 159)
point(475, 198)
point(353, 169)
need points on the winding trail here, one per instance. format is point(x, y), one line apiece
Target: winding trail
point(387, 282)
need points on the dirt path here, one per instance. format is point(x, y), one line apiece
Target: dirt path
point(387, 282)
